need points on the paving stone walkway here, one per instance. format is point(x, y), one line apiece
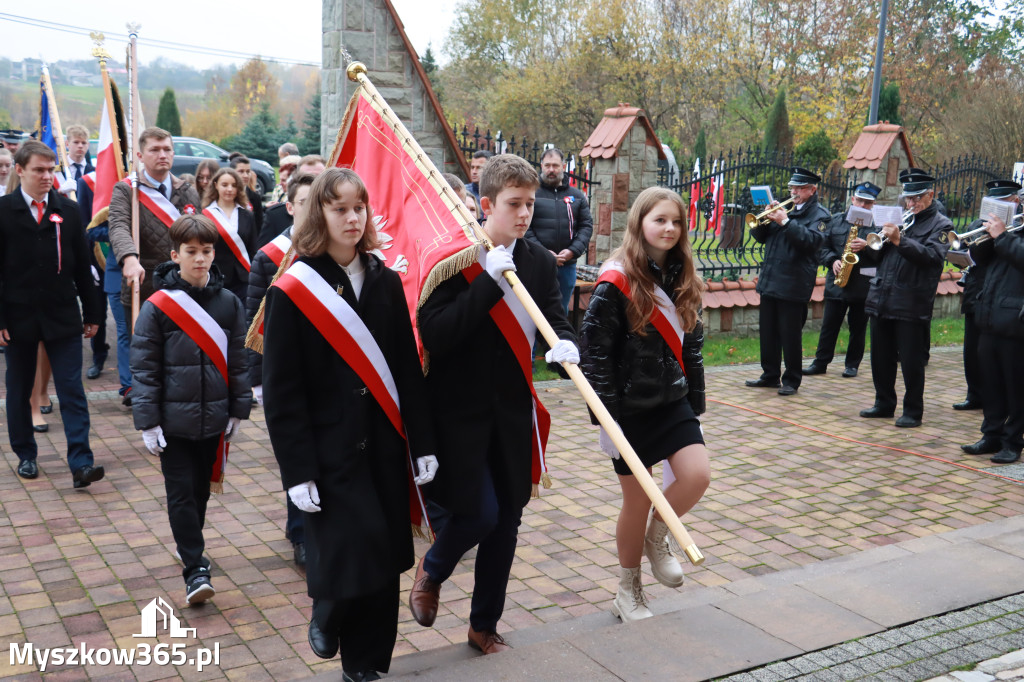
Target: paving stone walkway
point(78, 566)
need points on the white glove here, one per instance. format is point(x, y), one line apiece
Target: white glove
point(257, 392)
point(605, 441)
point(67, 186)
point(563, 351)
point(498, 260)
point(232, 428)
point(305, 496)
point(154, 440)
point(427, 467)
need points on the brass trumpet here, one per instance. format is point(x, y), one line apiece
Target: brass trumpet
point(876, 240)
point(969, 239)
point(753, 221)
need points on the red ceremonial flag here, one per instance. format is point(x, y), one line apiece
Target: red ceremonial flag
point(414, 210)
point(694, 195)
point(109, 162)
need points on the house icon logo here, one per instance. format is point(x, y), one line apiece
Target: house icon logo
point(158, 612)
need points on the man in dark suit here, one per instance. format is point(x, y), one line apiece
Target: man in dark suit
point(277, 219)
point(243, 166)
point(44, 272)
point(480, 382)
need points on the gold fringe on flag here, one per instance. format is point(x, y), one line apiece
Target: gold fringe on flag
point(253, 337)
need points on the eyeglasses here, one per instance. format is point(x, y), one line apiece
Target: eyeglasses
point(914, 199)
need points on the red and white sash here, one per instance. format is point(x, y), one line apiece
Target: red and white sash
point(277, 248)
point(230, 236)
point(348, 335)
point(90, 180)
point(204, 331)
point(519, 331)
point(664, 317)
point(159, 205)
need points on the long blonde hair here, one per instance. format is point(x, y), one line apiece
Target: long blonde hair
point(688, 293)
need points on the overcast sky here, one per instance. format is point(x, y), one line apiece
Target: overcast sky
point(285, 30)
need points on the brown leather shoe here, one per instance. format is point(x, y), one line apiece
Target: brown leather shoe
point(424, 597)
point(488, 641)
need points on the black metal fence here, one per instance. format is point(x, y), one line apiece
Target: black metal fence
point(578, 170)
point(724, 248)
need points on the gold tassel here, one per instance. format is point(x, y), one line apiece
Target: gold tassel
point(99, 218)
point(253, 337)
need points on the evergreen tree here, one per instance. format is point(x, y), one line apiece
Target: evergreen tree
point(700, 147)
point(260, 137)
point(309, 141)
point(289, 132)
point(429, 61)
point(817, 149)
point(889, 104)
point(167, 116)
point(777, 133)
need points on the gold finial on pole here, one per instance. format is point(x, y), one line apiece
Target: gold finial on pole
point(99, 51)
point(354, 70)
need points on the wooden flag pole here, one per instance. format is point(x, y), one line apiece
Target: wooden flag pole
point(357, 72)
point(58, 132)
point(108, 98)
point(133, 123)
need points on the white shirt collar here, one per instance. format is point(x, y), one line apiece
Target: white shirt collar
point(29, 200)
point(156, 185)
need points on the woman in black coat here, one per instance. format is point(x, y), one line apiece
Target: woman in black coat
point(342, 459)
point(651, 384)
point(225, 203)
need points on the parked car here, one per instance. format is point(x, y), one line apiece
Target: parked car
point(190, 151)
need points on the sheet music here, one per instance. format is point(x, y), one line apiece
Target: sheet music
point(761, 195)
point(1001, 209)
point(887, 214)
point(859, 216)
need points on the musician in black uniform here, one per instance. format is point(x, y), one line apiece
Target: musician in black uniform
point(972, 280)
point(901, 298)
point(999, 312)
point(787, 279)
point(844, 302)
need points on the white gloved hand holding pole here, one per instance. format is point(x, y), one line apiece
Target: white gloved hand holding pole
point(305, 496)
point(154, 440)
point(605, 441)
point(563, 351)
point(497, 261)
point(427, 467)
point(232, 428)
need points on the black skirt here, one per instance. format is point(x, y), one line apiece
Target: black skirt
point(658, 434)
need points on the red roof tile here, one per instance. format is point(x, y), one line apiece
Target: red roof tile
point(873, 145)
point(607, 137)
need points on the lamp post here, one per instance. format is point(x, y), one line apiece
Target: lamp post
point(876, 83)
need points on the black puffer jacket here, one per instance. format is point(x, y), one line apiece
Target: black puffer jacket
point(261, 274)
point(908, 274)
point(791, 253)
point(999, 305)
point(633, 373)
point(174, 384)
point(552, 226)
point(836, 236)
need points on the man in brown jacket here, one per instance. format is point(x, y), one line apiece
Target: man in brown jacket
point(162, 198)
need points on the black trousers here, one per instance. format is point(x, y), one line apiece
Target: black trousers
point(781, 327)
point(836, 309)
point(367, 627)
point(1003, 382)
point(905, 343)
point(187, 466)
point(972, 361)
point(98, 343)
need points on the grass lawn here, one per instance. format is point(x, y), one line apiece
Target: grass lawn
point(726, 349)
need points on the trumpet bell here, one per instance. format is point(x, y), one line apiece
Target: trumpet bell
point(875, 241)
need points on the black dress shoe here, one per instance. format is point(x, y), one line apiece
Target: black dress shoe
point(985, 446)
point(787, 390)
point(47, 409)
point(322, 644)
point(300, 553)
point(28, 468)
point(967, 405)
point(94, 371)
point(1005, 456)
point(876, 412)
point(850, 372)
point(761, 383)
point(813, 369)
point(905, 422)
point(360, 677)
point(86, 475)
point(40, 428)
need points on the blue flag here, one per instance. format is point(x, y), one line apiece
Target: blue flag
point(45, 125)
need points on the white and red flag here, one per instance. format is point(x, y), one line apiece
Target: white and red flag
point(695, 195)
point(109, 157)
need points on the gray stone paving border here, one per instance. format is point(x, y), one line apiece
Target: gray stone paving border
point(918, 651)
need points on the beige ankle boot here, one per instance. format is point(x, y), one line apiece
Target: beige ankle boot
point(664, 565)
point(630, 603)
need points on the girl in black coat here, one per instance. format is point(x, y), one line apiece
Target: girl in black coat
point(225, 201)
point(343, 461)
point(638, 376)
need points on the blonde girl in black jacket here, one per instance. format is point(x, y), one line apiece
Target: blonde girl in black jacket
point(654, 392)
